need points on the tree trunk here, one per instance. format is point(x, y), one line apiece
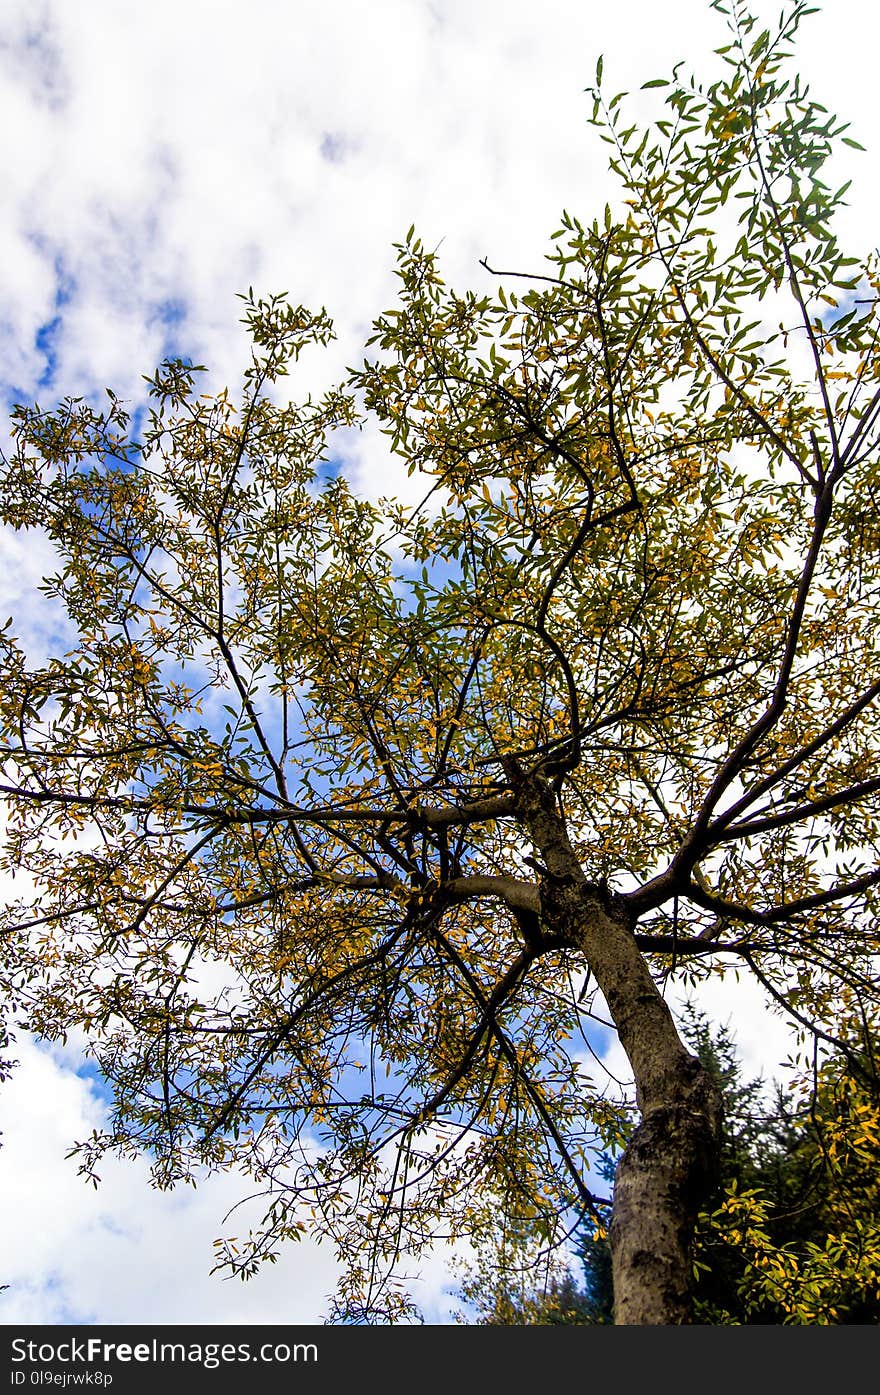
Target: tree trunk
point(671, 1162)
point(662, 1181)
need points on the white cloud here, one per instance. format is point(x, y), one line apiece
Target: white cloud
point(762, 1037)
point(40, 623)
point(175, 152)
point(124, 1252)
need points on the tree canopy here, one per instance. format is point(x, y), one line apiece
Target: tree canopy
point(347, 817)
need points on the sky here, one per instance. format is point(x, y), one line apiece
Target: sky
point(161, 158)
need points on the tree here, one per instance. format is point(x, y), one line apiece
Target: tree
point(792, 1234)
point(6, 1067)
point(332, 804)
point(512, 1298)
point(514, 1279)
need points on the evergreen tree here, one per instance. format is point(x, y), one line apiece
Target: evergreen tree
point(792, 1234)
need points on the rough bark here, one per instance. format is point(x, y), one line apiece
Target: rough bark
point(664, 1177)
point(670, 1164)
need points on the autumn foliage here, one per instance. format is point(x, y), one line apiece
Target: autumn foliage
point(345, 817)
